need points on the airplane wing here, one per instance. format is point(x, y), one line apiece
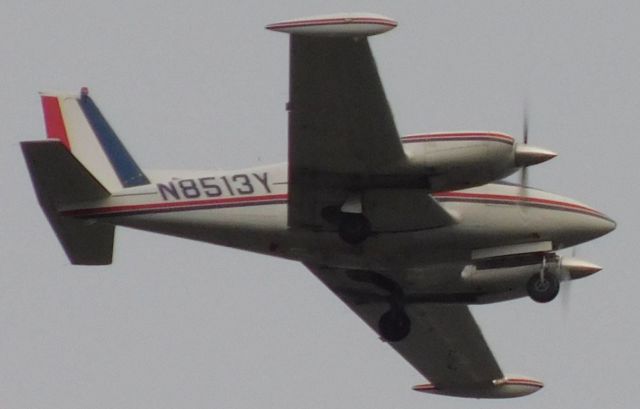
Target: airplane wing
point(341, 130)
point(445, 343)
point(339, 118)
point(342, 137)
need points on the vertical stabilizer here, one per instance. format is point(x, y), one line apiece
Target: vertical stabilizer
point(77, 122)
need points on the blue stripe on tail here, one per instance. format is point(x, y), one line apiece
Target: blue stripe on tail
point(125, 167)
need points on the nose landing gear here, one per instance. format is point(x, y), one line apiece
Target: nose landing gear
point(543, 287)
point(543, 290)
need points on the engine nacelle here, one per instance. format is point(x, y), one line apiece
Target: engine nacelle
point(464, 159)
point(505, 278)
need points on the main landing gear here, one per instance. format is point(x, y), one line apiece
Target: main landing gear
point(394, 325)
point(354, 228)
point(543, 287)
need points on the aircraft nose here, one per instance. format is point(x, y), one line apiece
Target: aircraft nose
point(587, 224)
point(602, 225)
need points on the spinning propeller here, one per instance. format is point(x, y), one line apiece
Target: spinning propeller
point(566, 268)
point(571, 268)
point(565, 278)
point(524, 174)
point(527, 155)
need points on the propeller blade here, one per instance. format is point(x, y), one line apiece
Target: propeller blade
point(565, 294)
point(524, 174)
point(525, 124)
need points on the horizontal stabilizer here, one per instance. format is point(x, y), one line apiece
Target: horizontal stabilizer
point(60, 181)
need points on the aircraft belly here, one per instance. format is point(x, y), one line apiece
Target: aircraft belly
point(265, 230)
point(258, 230)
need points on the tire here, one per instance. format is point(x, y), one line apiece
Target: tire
point(543, 292)
point(394, 326)
point(354, 228)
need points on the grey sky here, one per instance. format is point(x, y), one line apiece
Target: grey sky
point(174, 323)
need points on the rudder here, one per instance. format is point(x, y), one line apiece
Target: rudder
point(80, 126)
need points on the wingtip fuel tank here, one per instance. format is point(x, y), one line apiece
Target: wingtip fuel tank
point(336, 25)
point(507, 387)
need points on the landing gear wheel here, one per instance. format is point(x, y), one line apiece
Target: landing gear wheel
point(394, 325)
point(543, 291)
point(354, 228)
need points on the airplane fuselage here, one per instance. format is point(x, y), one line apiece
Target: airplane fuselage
point(247, 209)
point(405, 230)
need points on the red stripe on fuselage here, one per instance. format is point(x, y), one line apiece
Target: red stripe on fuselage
point(282, 198)
point(53, 120)
point(183, 205)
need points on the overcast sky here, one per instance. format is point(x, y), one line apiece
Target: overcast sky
point(200, 84)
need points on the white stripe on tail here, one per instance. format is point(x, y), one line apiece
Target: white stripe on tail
point(78, 123)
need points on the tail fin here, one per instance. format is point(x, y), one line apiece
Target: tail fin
point(80, 126)
point(83, 161)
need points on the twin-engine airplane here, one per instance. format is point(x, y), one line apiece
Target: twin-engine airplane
point(407, 231)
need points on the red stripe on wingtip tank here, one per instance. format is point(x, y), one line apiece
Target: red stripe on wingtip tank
point(53, 120)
